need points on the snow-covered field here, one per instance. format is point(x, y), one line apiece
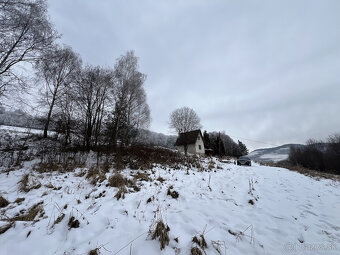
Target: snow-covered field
point(291, 213)
point(22, 130)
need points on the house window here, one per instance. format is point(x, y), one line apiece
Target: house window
point(198, 138)
point(199, 147)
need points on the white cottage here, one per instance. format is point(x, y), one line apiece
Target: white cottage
point(192, 142)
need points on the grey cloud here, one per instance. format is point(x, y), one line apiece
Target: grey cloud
point(264, 70)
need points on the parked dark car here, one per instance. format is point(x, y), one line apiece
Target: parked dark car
point(244, 161)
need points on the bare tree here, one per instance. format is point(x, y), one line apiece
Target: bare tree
point(57, 68)
point(93, 92)
point(25, 31)
point(131, 111)
point(184, 120)
point(66, 111)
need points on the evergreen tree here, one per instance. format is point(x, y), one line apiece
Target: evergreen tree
point(206, 140)
point(243, 148)
point(219, 147)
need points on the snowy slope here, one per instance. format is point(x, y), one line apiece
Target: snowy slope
point(274, 154)
point(290, 211)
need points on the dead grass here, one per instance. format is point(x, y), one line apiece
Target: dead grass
point(200, 241)
point(142, 176)
point(46, 167)
point(31, 214)
point(160, 179)
point(95, 175)
point(19, 200)
point(94, 252)
point(59, 219)
point(146, 157)
point(305, 171)
point(6, 227)
point(73, 223)
point(232, 232)
point(117, 180)
point(121, 192)
point(3, 202)
point(195, 251)
point(24, 184)
point(211, 165)
point(106, 166)
point(162, 233)
point(172, 193)
point(150, 199)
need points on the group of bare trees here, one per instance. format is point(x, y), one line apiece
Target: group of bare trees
point(318, 155)
point(90, 104)
point(98, 105)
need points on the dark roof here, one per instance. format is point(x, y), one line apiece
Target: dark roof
point(188, 137)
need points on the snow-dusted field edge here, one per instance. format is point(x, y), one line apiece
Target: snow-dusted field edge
point(290, 212)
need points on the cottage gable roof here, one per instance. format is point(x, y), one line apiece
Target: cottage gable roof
point(188, 138)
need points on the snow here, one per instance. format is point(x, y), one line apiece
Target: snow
point(288, 207)
point(274, 157)
point(22, 130)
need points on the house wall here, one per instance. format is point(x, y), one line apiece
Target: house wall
point(194, 148)
point(199, 141)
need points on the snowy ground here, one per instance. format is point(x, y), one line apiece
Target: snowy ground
point(291, 214)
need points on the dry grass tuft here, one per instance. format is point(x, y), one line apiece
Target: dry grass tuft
point(162, 233)
point(24, 185)
point(160, 179)
point(31, 213)
point(73, 223)
point(59, 219)
point(3, 202)
point(121, 192)
point(94, 252)
point(142, 176)
point(106, 166)
point(211, 165)
point(117, 180)
point(200, 241)
point(95, 175)
point(19, 200)
point(232, 232)
point(172, 193)
point(150, 199)
point(6, 227)
point(46, 167)
point(195, 251)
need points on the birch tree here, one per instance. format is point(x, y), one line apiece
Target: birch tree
point(57, 69)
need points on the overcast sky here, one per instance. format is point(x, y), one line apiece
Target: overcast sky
point(267, 71)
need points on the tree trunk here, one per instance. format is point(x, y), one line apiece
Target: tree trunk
point(48, 119)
